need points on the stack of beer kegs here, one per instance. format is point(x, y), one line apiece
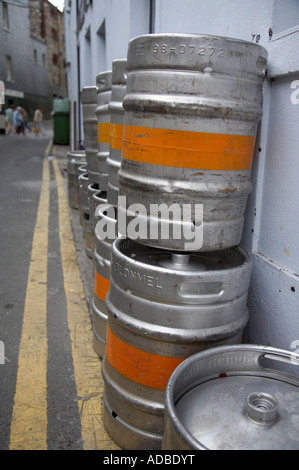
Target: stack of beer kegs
point(178, 276)
point(88, 181)
point(75, 159)
point(111, 86)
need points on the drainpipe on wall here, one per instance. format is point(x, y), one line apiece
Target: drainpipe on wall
point(78, 74)
point(152, 16)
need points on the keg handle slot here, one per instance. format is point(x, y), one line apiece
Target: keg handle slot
point(261, 64)
point(103, 83)
point(289, 357)
point(211, 290)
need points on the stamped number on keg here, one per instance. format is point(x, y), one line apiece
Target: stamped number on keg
point(189, 49)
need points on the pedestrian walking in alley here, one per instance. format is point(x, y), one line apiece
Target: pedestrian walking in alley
point(18, 121)
point(38, 121)
point(9, 120)
point(25, 119)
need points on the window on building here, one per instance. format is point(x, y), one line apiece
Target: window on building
point(44, 60)
point(55, 59)
point(101, 43)
point(35, 55)
point(5, 16)
point(54, 34)
point(8, 68)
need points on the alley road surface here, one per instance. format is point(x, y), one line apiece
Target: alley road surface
point(50, 376)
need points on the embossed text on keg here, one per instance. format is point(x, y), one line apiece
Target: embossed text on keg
point(138, 277)
point(232, 360)
point(188, 49)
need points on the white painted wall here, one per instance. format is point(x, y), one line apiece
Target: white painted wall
point(104, 36)
point(271, 230)
point(233, 18)
point(70, 24)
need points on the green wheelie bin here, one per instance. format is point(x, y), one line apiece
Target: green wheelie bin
point(61, 117)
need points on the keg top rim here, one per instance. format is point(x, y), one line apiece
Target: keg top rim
point(106, 73)
point(104, 81)
point(199, 36)
point(76, 153)
point(175, 52)
point(119, 61)
point(226, 366)
point(119, 71)
point(123, 246)
point(88, 94)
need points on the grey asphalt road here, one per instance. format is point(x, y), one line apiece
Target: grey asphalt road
point(21, 164)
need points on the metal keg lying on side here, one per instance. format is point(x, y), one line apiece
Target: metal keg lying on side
point(118, 91)
point(89, 103)
point(75, 158)
point(192, 107)
point(226, 398)
point(163, 307)
point(103, 85)
point(102, 255)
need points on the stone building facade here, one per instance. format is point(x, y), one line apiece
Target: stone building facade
point(32, 57)
point(23, 72)
point(47, 25)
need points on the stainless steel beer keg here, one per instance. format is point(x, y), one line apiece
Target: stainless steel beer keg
point(104, 84)
point(118, 91)
point(163, 307)
point(192, 107)
point(93, 189)
point(234, 398)
point(93, 198)
point(106, 215)
point(98, 197)
point(84, 213)
point(89, 103)
point(75, 158)
point(80, 170)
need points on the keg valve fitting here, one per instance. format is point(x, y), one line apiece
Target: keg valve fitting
point(261, 408)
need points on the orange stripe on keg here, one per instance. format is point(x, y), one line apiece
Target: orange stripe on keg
point(103, 133)
point(116, 136)
point(185, 149)
point(139, 366)
point(101, 286)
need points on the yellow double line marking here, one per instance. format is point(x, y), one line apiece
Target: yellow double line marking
point(29, 420)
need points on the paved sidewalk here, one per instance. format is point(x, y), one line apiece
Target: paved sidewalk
point(85, 263)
